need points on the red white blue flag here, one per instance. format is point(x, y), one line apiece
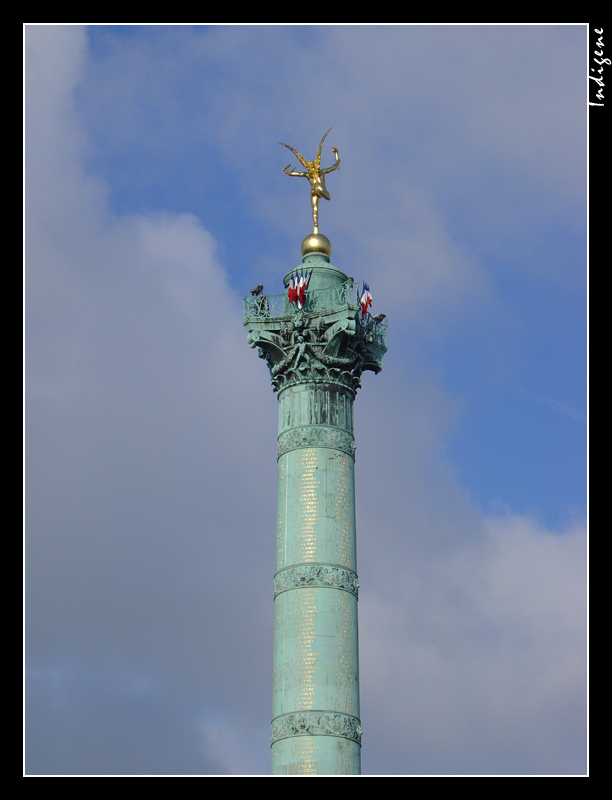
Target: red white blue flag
point(365, 299)
point(296, 291)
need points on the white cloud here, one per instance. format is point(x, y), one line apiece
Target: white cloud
point(476, 664)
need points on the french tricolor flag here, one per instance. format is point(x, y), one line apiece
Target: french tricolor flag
point(296, 291)
point(365, 299)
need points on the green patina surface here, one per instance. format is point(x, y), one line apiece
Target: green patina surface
point(316, 356)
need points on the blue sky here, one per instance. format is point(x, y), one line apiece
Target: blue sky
point(155, 199)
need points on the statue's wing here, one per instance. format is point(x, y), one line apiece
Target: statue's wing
point(301, 158)
point(320, 147)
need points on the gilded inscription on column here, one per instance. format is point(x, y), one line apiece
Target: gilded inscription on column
point(301, 656)
point(281, 513)
point(342, 653)
point(303, 752)
point(302, 506)
point(341, 505)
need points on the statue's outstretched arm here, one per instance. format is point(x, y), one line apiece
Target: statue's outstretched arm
point(293, 172)
point(337, 163)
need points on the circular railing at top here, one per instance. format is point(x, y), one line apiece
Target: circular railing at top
point(323, 301)
point(335, 298)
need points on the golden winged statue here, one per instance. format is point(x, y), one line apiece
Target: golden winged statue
point(316, 177)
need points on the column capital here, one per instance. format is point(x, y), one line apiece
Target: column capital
point(327, 341)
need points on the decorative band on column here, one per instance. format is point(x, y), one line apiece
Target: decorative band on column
point(316, 436)
point(313, 576)
point(316, 723)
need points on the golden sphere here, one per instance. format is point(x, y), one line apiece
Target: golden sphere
point(316, 243)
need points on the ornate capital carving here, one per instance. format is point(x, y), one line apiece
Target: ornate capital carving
point(328, 341)
point(316, 436)
point(313, 576)
point(316, 723)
